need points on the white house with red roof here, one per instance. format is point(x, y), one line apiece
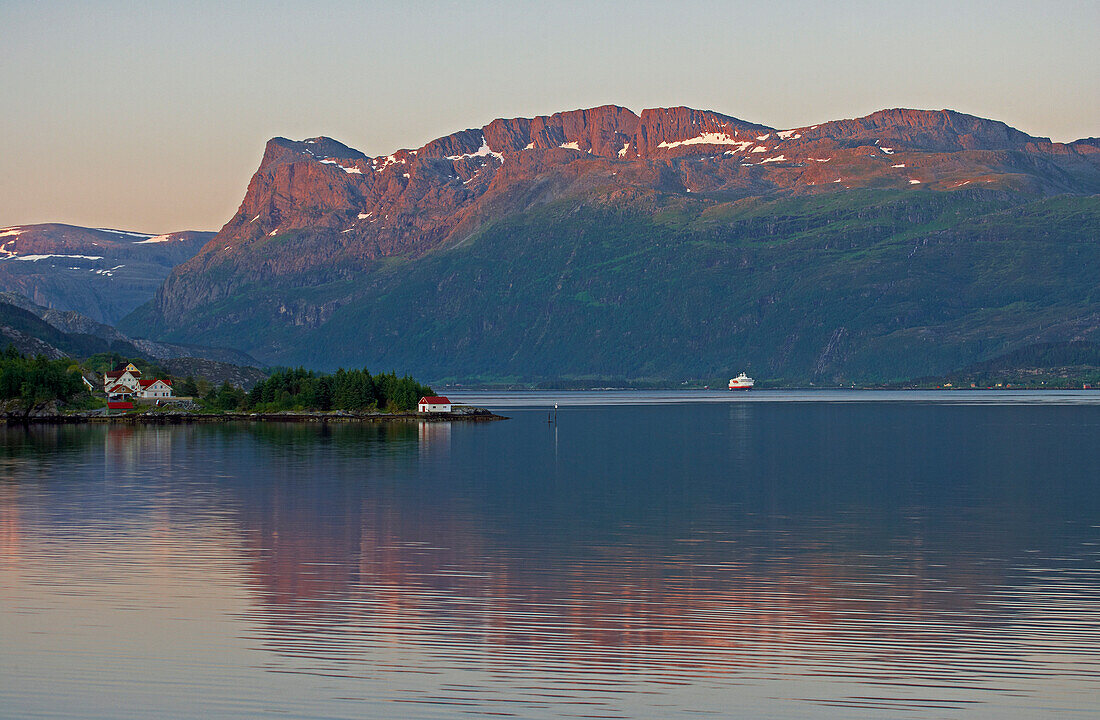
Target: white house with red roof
point(154, 389)
point(125, 383)
point(125, 374)
point(433, 404)
point(119, 392)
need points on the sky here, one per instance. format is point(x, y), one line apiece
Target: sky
point(152, 116)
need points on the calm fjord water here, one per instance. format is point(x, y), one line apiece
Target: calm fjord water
point(768, 556)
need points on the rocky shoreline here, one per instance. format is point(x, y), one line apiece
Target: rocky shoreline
point(175, 417)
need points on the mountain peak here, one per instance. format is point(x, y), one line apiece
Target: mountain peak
point(411, 201)
point(613, 131)
point(933, 130)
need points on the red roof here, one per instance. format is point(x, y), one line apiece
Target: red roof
point(434, 400)
point(115, 373)
point(118, 389)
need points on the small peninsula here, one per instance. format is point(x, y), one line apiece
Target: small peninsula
point(38, 389)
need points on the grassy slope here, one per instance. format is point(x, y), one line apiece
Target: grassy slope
point(860, 286)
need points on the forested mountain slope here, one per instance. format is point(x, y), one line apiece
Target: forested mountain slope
point(672, 244)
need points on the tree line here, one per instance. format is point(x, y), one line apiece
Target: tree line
point(301, 389)
point(37, 380)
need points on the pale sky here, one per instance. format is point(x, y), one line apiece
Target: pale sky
point(152, 116)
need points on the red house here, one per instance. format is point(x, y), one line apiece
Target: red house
point(433, 404)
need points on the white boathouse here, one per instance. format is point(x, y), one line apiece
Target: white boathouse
point(433, 404)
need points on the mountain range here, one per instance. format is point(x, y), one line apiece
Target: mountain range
point(101, 273)
point(674, 243)
point(37, 330)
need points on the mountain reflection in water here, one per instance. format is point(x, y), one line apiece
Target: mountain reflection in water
point(828, 559)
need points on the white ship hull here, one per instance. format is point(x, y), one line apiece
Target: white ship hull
point(741, 382)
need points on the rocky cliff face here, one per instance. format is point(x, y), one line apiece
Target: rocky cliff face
point(322, 211)
point(320, 219)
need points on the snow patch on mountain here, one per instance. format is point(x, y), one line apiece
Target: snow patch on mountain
point(709, 138)
point(36, 258)
point(482, 151)
point(345, 168)
point(124, 232)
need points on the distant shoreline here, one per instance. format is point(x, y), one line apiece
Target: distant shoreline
point(785, 388)
point(182, 418)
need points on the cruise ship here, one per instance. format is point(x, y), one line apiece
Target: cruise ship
point(741, 382)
